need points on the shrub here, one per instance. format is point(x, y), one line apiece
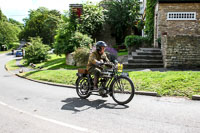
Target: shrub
point(69, 42)
point(81, 56)
point(81, 40)
point(136, 41)
point(37, 51)
point(111, 54)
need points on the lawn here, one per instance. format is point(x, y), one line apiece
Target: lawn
point(170, 83)
point(58, 62)
point(57, 76)
point(121, 53)
point(55, 62)
point(11, 65)
point(3, 52)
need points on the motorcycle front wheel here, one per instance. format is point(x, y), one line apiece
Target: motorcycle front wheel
point(123, 90)
point(82, 87)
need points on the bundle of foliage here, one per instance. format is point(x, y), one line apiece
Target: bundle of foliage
point(2, 16)
point(43, 23)
point(16, 23)
point(140, 24)
point(68, 39)
point(81, 55)
point(135, 41)
point(37, 51)
point(149, 23)
point(121, 15)
point(92, 19)
point(9, 31)
point(81, 40)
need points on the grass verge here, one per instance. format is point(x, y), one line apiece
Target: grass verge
point(55, 62)
point(3, 52)
point(11, 65)
point(56, 76)
point(122, 53)
point(171, 83)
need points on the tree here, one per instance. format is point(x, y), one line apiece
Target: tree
point(8, 33)
point(92, 19)
point(2, 16)
point(43, 23)
point(68, 39)
point(37, 51)
point(65, 31)
point(121, 15)
point(16, 23)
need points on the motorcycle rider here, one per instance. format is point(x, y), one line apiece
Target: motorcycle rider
point(96, 59)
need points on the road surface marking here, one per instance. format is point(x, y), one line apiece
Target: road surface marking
point(47, 119)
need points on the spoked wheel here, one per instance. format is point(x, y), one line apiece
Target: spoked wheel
point(123, 90)
point(82, 87)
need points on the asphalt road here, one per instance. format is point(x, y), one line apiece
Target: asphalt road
point(30, 107)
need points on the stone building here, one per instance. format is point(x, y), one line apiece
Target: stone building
point(177, 24)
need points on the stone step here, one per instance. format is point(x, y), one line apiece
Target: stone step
point(151, 49)
point(140, 52)
point(144, 61)
point(147, 57)
point(142, 65)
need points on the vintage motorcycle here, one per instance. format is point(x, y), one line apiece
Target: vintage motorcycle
point(112, 82)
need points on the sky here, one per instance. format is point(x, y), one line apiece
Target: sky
point(18, 9)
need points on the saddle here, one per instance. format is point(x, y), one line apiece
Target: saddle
point(83, 71)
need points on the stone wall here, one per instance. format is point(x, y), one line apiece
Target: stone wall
point(176, 27)
point(181, 51)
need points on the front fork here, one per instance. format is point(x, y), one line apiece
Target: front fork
point(119, 84)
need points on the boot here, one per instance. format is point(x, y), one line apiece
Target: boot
point(96, 80)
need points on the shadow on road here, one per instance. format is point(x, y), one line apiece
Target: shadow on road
point(79, 105)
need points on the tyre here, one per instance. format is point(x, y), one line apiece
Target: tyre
point(122, 90)
point(82, 87)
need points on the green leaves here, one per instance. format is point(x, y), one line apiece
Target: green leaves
point(67, 41)
point(92, 19)
point(121, 15)
point(149, 23)
point(81, 55)
point(8, 33)
point(136, 41)
point(42, 22)
point(9, 30)
point(37, 51)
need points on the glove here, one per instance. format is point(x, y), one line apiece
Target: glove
point(99, 63)
point(109, 64)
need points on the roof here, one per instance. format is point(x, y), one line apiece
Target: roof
point(179, 1)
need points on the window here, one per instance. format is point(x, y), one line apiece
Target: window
point(181, 16)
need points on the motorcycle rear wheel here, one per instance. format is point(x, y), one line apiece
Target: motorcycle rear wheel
point(82, 87)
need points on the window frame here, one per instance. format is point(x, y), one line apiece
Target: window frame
point(181, 16)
